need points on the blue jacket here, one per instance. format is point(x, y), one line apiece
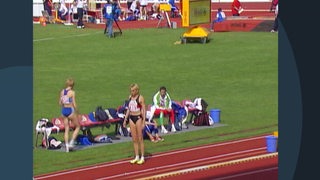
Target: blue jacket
point(220, 18)
point(108, 11)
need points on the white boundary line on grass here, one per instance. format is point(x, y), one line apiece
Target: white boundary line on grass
point(44, 39)
point(64, 37)
point(158, 155)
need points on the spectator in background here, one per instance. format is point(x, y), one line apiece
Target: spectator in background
point(236, 8)
point(73, 11)
point(134, 8)
point(127, 10)
point(143, 9)
point(174, 8)
point(274, 3)
point(162, 106)
point(47, 5)
point(129, 2)
point(63, 10)
point(155, 8)
point(136, 115)
point(275, 24)
point(118, 11)
point(69, 112)
point(219, 18)
point(80, 9)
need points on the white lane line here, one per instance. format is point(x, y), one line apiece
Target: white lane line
point(158, 155)
point(210, 166)
point(247, 173)
point(180, 164)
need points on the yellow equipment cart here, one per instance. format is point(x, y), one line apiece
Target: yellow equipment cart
point(195, 33)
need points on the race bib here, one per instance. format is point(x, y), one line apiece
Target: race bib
point(109, 9)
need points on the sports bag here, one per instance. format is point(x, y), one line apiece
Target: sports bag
point(53, 143)
point(123, 131)
point(100, 114)
point(202, 119)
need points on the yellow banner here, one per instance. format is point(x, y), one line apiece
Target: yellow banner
point(195, 12)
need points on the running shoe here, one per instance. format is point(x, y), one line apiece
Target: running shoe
point(141, 161)
point(71, 144)
point(173, 129)
point(160, 139)
point(164, 131)
point(154, 140)
point(134, 161)
point(67, 148)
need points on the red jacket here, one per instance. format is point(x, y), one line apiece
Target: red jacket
point(236, 4)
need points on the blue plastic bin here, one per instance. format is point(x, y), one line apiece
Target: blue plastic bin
point(215, 115)
point(272, 143)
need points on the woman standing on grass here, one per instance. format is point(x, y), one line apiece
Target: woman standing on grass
point(136, 114)
point(67, 101)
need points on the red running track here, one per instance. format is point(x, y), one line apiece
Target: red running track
point(239, 159)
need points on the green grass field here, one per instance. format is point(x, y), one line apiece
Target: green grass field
point(236, 72)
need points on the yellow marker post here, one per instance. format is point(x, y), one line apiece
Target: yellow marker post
point(164, 8)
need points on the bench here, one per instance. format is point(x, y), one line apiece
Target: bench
point(86, 121)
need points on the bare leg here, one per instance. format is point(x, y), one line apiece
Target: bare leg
point(75, 121)
point(66, 132)
point(139, 126)
point(140, 136)
point(134, 135)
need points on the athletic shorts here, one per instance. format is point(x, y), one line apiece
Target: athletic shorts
point(134, 119)
point(67, 111)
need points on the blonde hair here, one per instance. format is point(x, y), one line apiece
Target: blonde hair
point(69, 83)
point(134, 86)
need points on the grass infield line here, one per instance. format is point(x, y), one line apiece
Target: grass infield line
point(65, 37)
